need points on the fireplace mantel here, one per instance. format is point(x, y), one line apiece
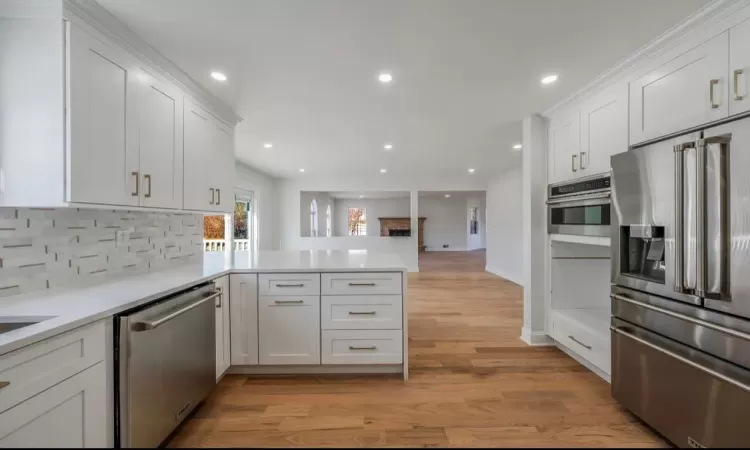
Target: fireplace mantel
point(402, 223)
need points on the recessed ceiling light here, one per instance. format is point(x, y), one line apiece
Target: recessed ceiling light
point(385, 77)
point(218, 76)
point(471, 170)
point(447, 196)
point(383, 171)
point(302, 170)
point(361, 196)
point(388, 146)
point(549, 79)
point(267, 145)
point(517, 146)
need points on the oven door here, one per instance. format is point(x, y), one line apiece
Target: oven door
point(585, 216)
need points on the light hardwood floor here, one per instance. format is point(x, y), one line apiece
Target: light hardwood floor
point(473, 383)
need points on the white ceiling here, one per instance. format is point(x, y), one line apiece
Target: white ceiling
point(370, 195)
point(303, 73)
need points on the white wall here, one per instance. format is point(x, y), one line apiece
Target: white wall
point(263, 186)
point(446, 222)
point(374, 208)
point(504, 233)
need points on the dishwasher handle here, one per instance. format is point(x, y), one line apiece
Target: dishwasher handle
point(150, 325)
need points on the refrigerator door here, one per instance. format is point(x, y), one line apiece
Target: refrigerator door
point(727, 248)
point(647, 219)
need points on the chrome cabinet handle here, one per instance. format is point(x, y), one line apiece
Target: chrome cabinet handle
point(220, 297)
point(212, 195)
point(711, 85)
point(288, 302)
point(218, 196)
point(4, 384)
point(351, 347)
point(681, 359)
point(361, 284)
point(737, 95)
point(290, 285)
point(148, 185)
point(137, 184)
point(580, 160)
point(361, 313)
point(573, 163)
point(145, 326)
point(587, 347)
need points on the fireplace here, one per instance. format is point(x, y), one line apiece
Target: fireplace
point(394, 232)
point(401, 226)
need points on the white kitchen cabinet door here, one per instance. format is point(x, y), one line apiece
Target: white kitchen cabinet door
point(102, 122)
point(69, 414)
point(160, 143)
point(564, 146)
point(739, 68)
point(604, 129)
point(223, 338)
point(687, 91)
point(223, 169)
point(289, 329)
point(199, 194)
point(243, 293)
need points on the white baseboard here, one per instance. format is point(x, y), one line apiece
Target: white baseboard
point(449, 249)
point(316, 370)
point(507, 276)
point(536, 338)
point(584, 362)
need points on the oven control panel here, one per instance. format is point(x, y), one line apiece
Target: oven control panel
point(599, 183)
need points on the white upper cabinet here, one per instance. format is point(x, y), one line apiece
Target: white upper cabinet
point(739, 66)
point(222, 175)
point(687, 91)
point(160, 143)
point(564, 146)
point(103, 140)
point(604, 129)
point(199, 192)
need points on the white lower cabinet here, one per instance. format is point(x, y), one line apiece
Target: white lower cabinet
point(243, 291)
point(69, 414)
point(223, 338)
point(289, 329)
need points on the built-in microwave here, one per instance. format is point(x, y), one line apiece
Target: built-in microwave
point(580, 207)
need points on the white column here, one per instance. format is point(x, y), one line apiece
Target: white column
point(534, 229)
point(414, 211)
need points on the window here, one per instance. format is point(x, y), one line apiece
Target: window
point(214, 231)
point(244, 222)
point(313, 218)
point(357, 222)
point(328, 221)
point(474, 220)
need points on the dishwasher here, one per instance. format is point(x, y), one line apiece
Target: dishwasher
point(165, 364)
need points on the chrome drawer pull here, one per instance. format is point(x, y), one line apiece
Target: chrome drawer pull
point(291, 285)
point(587, 347)
point(351, 347)
point(288, 302)
point(4, 384)
point(361, 284)
point(362, 313)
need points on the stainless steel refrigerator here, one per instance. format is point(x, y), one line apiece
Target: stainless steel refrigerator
point(681, 285)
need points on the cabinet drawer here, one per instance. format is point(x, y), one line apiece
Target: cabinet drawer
point(362, 347)
point(361, 312)
point(289, 284)
point(33, 369)
point(361, 283)
point(590, 346)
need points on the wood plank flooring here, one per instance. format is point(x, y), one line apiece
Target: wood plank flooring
point(473, 383)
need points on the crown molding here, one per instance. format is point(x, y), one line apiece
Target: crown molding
point(712, 14)
point(94, 15)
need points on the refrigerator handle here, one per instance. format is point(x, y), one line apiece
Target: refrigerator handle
point(700, 222)
point(679, 224)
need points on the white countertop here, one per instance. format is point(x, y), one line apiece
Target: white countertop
point(73, 308)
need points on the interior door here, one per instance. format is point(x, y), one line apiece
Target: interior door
point(727, 253)
point(160, 143)
point(604, 129)
point(103, 122)
point(685, 92)
point(199, 194)
point(564, 141)
point(739, 68)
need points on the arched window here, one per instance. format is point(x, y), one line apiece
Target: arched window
point(313, 218)
point(328, 221)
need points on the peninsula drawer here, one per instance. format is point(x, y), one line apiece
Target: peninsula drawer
point(362, 347)
point(361, 312)
point(289, 284)
point(30, 370)
point(387, 283)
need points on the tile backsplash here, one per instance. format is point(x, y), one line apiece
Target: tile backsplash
point(51, 248)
